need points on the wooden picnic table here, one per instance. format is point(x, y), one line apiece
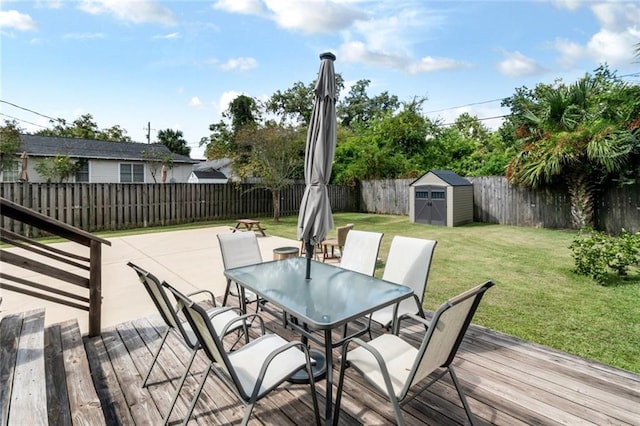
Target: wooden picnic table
point(248, 225)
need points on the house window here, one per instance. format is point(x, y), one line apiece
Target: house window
point(11, 172)
point(82, 175)
point(132, 173)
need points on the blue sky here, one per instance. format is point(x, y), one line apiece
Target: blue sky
point(177, 64)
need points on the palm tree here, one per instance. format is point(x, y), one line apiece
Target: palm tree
point(174, 140)
point(577, 135)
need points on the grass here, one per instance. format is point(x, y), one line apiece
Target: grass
point(537, 296)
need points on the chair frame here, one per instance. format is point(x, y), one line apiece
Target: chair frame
point(419, 370)
point(170, 317)
point(220, 363)
point(369, 269)
point(341, 237)
point(419, 288)
point(226, 261)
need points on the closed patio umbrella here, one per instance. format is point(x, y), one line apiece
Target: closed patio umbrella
point(315, 218)
point(24, 176)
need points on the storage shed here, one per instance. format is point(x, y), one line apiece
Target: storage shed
point(441, 197)
point(207, 176)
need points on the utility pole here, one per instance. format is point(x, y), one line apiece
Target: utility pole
point(148, 132)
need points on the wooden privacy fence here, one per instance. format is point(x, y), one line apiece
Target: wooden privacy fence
point(497, 201)
point(102, 206)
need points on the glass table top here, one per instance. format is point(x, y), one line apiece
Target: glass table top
point(331, 297)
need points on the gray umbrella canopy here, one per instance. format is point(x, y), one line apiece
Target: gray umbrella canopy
point(315, 218)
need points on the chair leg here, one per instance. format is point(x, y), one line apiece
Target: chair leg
point(247, 413)
point(226, 292)
point(205, 374)
point(461, 394)
point(336, 406)
point(179, 387)
point(164, 337)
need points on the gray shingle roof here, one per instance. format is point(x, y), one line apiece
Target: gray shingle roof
point(209, 174)
point(450, 177)
point(49, 146)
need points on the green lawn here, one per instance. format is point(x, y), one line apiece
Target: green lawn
point(537, 297)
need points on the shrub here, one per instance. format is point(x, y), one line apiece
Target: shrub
point(597, 254)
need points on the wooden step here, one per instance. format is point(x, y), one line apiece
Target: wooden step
point(71, 392)
point(44, 373)
point(23, 397)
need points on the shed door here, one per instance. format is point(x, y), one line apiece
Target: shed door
point(431, 205)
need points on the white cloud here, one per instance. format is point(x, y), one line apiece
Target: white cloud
point(16, 20)
point(83, 36)
point(314, 16)
point(170, 36)
point(517, 65)
point(613, 43)
point(357, 52)
point(568, 4)
point(429, 64)
point(310, 16)
point(242, 64)
point(249, 7)
point(196, 102)
point(135, 11)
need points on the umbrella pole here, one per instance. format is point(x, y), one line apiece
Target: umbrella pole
point(309, 249)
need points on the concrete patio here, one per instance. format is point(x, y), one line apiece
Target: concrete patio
point(188, 259)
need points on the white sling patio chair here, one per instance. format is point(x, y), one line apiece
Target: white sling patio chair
point(408, 263)
point(393, 366)
point(338, 241)
point(252, 371)
point(221, 317)
point(239, 249)
point(360, 252)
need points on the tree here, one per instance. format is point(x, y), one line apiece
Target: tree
point(357, 108)
point(243, 111)
point(174, 140)
point(295, 104)
point(85, 128)
point(58, 169)
point(154, 159)
point(9, 144)
point(276, 157)
point(578, 135)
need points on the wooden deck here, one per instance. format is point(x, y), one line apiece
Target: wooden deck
point(507, 382)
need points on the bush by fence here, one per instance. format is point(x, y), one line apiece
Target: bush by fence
point(99, 207)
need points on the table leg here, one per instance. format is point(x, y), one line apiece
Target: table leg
point(328, 413)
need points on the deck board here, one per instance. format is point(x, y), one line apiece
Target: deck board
point(507, 382)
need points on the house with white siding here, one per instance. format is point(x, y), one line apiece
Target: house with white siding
point(100, 161)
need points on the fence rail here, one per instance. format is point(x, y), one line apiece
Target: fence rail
point(497, 201)
point(101, 207)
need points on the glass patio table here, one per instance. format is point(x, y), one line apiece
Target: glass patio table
point(330, 299)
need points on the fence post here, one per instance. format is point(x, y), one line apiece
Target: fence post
point(95, 288)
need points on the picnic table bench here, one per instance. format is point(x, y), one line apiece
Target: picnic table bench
point(248, 225)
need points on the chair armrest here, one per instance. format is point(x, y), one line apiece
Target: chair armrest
point(272, 355)
point(413, 317)
point(243, 319)
point(213, 299)
point(375, 353)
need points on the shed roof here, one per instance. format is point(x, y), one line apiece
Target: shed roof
point(448, 176)
point(49, 146)
point(209, 174)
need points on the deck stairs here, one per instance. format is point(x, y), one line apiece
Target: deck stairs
point(30, 351)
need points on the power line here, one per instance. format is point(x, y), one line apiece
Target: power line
point(465, 105)
point(24, 121)
point(27, 109)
